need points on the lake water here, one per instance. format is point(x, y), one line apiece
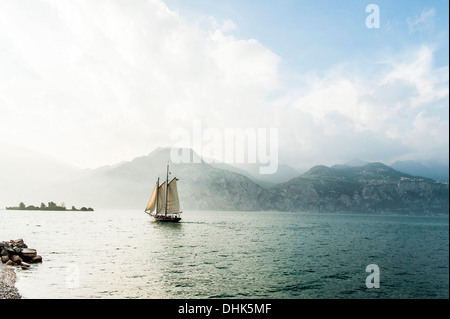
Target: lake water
point(124, 254)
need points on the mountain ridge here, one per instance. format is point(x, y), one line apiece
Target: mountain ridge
point(374, 187)
point(365, 187)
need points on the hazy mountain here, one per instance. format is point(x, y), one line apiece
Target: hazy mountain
point(130, 185)
point(231, 168)
point(356, 162)
point(432, 170)
point(373, 187)
point(351, 163)
point(251, 170)
point(24, 173)
point(283, 173)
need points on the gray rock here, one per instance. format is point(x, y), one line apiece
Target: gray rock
point(36, 259)
point(29, 253)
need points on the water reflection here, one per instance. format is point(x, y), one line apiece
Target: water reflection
point(125, 254)
point(166, 225)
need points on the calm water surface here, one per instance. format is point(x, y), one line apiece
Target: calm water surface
point(124, 254)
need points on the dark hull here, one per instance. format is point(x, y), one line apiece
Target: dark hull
point(166, 219)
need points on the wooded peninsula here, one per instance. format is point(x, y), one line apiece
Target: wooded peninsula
point(51, 207)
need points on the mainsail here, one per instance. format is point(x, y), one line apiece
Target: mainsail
point(151, 204)
point(161, 199)
point(173, 203)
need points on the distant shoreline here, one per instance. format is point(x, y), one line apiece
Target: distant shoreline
point(51, 207)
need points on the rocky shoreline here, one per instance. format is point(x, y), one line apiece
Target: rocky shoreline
point(17, 253)
point(7, 283)
point(14, 253)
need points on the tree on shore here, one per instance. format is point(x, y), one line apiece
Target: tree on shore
point(51, 207)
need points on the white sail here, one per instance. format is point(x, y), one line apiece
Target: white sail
point(161, 199)
point(173, 202)
point(151, 204)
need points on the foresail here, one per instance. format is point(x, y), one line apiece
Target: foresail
point(151, 204)
point(173, 203)
point(161, 198)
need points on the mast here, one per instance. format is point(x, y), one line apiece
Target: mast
point(157, 202)
point(167, 186)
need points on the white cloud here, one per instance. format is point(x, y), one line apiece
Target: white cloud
point(424, 22)
point(102, 80)
point(98, 82)
point(429, 138)
point(211, 23)
point(431, 84)
point(401, 110)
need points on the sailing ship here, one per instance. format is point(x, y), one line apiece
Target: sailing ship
point(164, 204)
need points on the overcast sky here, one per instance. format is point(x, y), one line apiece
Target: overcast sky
point(98, 82)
